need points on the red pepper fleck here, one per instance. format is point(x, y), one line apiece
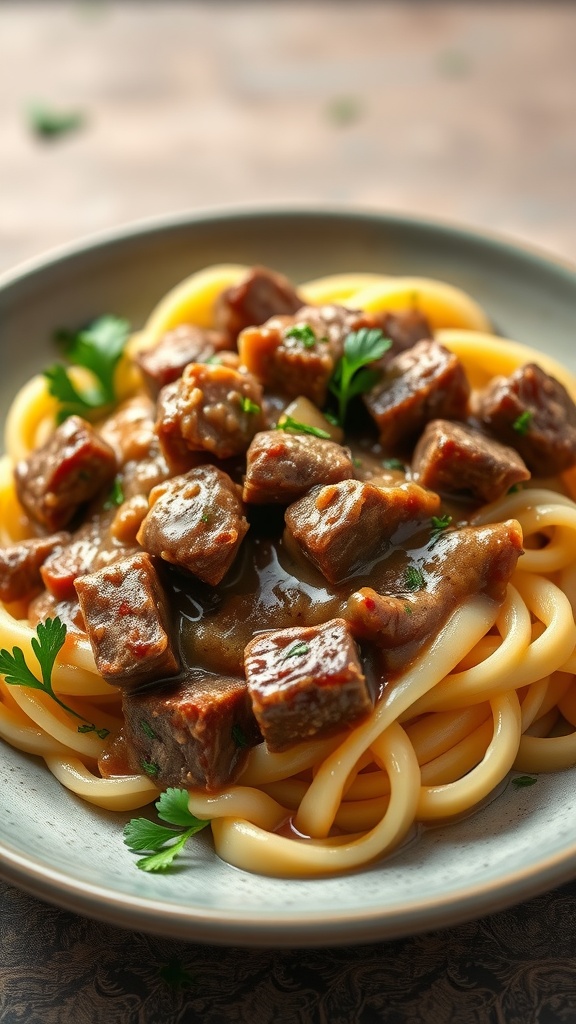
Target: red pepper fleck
point(369, 604)
point(124, 608)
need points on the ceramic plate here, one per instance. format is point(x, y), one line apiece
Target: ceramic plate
point(521, 843)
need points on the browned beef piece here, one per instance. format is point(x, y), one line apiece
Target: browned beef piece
point(262, 293)
point(424, 383)
point(305, 682)
point(69, 470)
point(343, 527)
point(130, 432)
point(45, 606)
point(404, 327)
point(196, 522)
point(20, 565)
point(281, 466)
point(453, 458)
point(90, 547)
point(458, 565)
point(211, 408)
point(127, 620)
point(296, 355)
point(165, 361)
point(532, 412)
point(195, 733)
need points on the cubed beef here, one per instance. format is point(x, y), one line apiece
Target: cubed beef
point(297, 355)
point(404, 327)
point(20, 565)
point(343, 527)
point(453, 458)
point(195, 733)
point(458, 565)
point(534, 413)
point(305, 682)
point(281, 466)
point(45, 606)
point(423, 383)
point(262, 293)
point(127, 620)
point(90, 547)
point(165, 361)
point(130, 432)
point(211, 408)
point(196, 522)
point(67, 471)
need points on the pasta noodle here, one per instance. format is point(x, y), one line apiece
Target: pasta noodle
point(493, 691)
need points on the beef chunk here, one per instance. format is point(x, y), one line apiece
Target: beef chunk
point(196, 733)
point(532, 412)
point(130, 432)
point(343, 527)
point(211, 408)
point(451, 457)
point(69, 470)
point(424, 383)
point(305, 682)
point(127, 620)
point(196, 522)
point(404, 327)
point(165, 361)
point(459, 564)
point(281, 467)
point(262, 293)
point(90, 547)
point(45, 606)
point(297, 355)
point(20, 565)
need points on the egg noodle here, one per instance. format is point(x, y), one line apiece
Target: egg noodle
point(494, 691)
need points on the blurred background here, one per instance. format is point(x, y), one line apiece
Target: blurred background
point(114, 111)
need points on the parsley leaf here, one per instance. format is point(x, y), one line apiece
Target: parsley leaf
point(49, 640)
point(248, 405)
point(163, 844)
point(98, 348)
point(303, 333)
point(522, 781)
point(439, 523)
point(116, 496)
point(393, 464)
point(351, 377)
point(288, 423)
point(47, 123)
point(297, 650)
point(414, 578)
point(522, 423)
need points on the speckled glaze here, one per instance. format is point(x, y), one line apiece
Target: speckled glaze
point(522, 842)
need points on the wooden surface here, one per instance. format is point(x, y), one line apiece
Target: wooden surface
point(466, 111)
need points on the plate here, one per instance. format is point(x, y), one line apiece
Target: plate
point(60, 849)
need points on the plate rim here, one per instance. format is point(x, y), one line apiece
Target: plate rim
point(299, 928)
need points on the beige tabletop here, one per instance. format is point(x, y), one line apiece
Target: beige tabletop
point(465, 111)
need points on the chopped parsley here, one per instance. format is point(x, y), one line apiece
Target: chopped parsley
point(297, 650)
point(150, 767)
point(351, 376)
point(408, 609)
point(47, 643)
point(522, 423)
point(116, 496)
point(522, 781)
point(147, 729)
point(394, 464)
point(413, 578)
point(303, 333)
point(290, 424)
point(439, 524)
point(249, 406)
point(98, 348)
point(163, 844)
point(48, 123)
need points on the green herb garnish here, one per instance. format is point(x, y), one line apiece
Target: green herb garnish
point(49, 640)
point(414, 578)
point(394, 464)
point(98, 348)
point(439, 523)
point(147, 729)
point(150, 767)
point(351, 376)
point(288, 423)
point(164, 844)
point(116, 496)
point(297, 650)
point(522, 423)
point(407, 609)
point(248, 405)
point(47, 123)
point(522, 781)
point(303, 333)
